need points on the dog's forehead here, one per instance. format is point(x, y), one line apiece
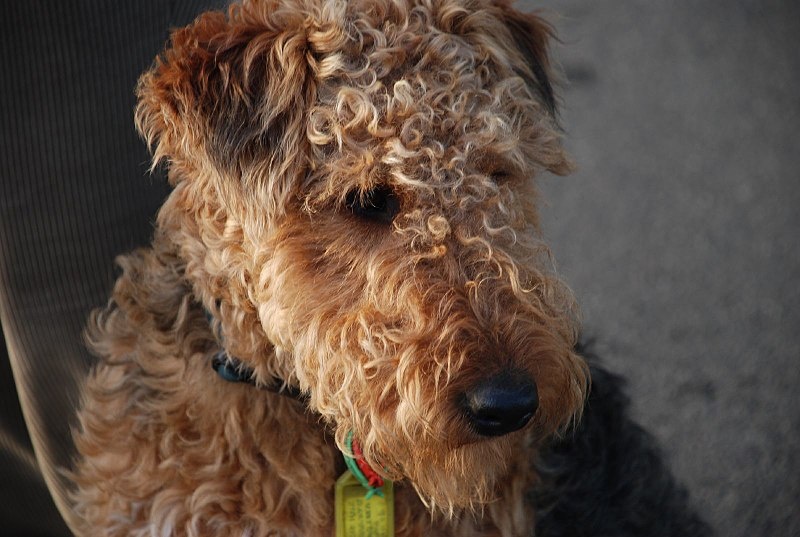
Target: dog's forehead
point(416, 97)
point(282, 97)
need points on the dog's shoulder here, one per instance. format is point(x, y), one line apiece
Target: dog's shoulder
point(607, 476)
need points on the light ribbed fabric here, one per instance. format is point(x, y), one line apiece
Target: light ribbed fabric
point(74, 193)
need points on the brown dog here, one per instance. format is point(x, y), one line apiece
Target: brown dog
point(353, 221)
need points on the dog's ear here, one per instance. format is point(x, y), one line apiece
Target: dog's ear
point(228, 90)
point(532, 35)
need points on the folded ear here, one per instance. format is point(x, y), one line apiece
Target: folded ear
point(228, 89)
point(532, 35)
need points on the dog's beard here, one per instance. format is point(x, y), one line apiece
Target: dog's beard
point(465, 478)
point(450, 476)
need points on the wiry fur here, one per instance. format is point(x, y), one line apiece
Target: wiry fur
point(272, 117)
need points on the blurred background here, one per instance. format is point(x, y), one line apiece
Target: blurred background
point(680, 234)
point(680, 231)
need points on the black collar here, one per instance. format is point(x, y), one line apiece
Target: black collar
point(233, 370)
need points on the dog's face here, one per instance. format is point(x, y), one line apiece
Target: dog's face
point(353, 200)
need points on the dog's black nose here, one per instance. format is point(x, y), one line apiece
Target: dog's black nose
point(501, 404)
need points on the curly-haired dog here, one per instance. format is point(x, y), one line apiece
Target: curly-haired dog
point(353, 225)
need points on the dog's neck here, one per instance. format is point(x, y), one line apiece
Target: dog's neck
point(232, 369)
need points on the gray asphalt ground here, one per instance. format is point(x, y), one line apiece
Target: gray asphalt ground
point(679, 234)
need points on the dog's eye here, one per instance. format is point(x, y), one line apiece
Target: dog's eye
point(501, 176)
point(379, 204)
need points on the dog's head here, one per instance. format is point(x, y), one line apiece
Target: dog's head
point(353, 199)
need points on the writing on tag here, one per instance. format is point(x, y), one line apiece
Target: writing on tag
point(361, 512)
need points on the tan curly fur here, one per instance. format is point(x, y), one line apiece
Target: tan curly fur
point(271, 118)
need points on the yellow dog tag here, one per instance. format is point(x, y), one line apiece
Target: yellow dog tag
point(363, 513)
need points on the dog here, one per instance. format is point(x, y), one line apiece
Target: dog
point(348, 322)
